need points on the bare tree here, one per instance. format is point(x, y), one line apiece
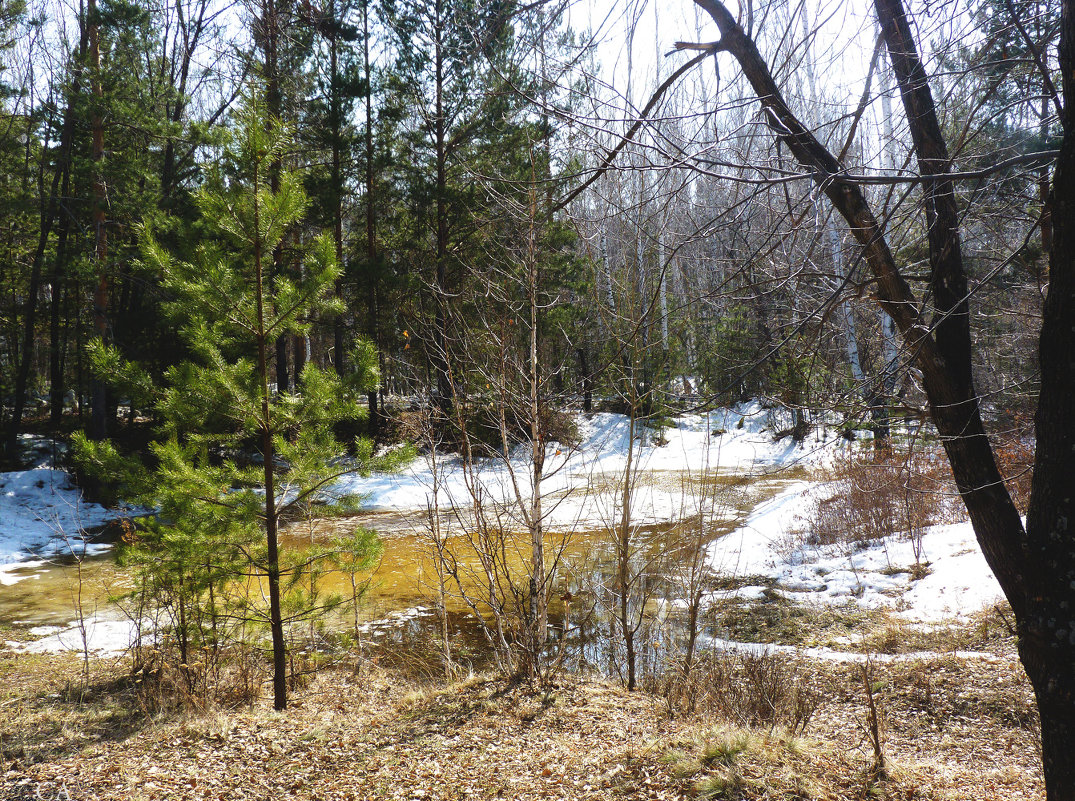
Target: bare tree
point(1034, 565)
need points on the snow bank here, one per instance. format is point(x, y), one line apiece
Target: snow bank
point(735, 440)
point(958, 581)
point(832, 655)
point(104, 636)
point(582, 489)
point(582, 492)
point(42, 514)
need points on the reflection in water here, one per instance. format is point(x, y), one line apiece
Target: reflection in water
point(48, 592)
point(399, 614)
point(667, 559)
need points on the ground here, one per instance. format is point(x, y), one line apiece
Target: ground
point(952, 727)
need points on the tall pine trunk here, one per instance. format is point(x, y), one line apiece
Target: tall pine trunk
point(29, 319)
point(57, 290)
point(442, 338)
point(99, 420)
point(372, 299)
point(49, 210)
point(272, 566)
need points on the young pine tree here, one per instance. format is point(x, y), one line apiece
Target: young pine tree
point(219, 510)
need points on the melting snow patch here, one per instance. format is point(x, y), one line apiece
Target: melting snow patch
point(42, 514)
point(103, 637)
point(957, 580)
point(830, 655)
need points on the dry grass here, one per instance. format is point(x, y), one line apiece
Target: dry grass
point(953, 729)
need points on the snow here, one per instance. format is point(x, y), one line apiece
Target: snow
point(958, 583)
point(582, 489)
point(735, 440)
point(104, 636)
point(831, 655)
point(42, 514)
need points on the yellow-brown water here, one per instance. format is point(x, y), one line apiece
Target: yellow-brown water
point(406, 577)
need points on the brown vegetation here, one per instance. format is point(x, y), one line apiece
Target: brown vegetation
point(952, 728)
point(882, 495)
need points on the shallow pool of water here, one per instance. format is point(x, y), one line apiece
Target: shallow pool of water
point(401, 604)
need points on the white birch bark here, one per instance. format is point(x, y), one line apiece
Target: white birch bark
point(888, 326)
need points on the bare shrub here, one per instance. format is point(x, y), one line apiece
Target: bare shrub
point(765, 690)
point(874, 725)
point(1015, 458)
point(228, 678)
point(881, 495)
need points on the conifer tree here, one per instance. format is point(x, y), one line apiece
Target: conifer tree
point(220, 514)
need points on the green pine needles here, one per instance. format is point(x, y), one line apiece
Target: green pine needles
point(237, 460)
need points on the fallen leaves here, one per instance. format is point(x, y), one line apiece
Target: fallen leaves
point(373, 738)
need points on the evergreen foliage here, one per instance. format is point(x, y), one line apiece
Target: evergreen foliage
point(237, 460)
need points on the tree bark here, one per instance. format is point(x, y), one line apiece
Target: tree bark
point(336, 133)
point(1035, 567)
point(539, 591)
point(372, 300)
point(56, 288)
point(1047, 626)
point(99, 420)
point(50, 207)
point(441, 346)
point(272, 567)
point(29, 318)
point(943, 358)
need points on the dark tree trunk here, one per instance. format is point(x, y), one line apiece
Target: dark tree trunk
point(50, 207)
point(335, 120)
point(587, 381)
point(72, 320)
point(945, 359)
point(99, 420)
point(56, 342)
point(299, 344)
point(29, 318)
point(57, 288)
point(283, 379)
point(269, 33)
point(441, 347)
point(372, 273)
point(272, 518)
point(1047, 627)
point(180, 76)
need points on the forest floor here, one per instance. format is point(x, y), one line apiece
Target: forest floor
point(952, 726)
